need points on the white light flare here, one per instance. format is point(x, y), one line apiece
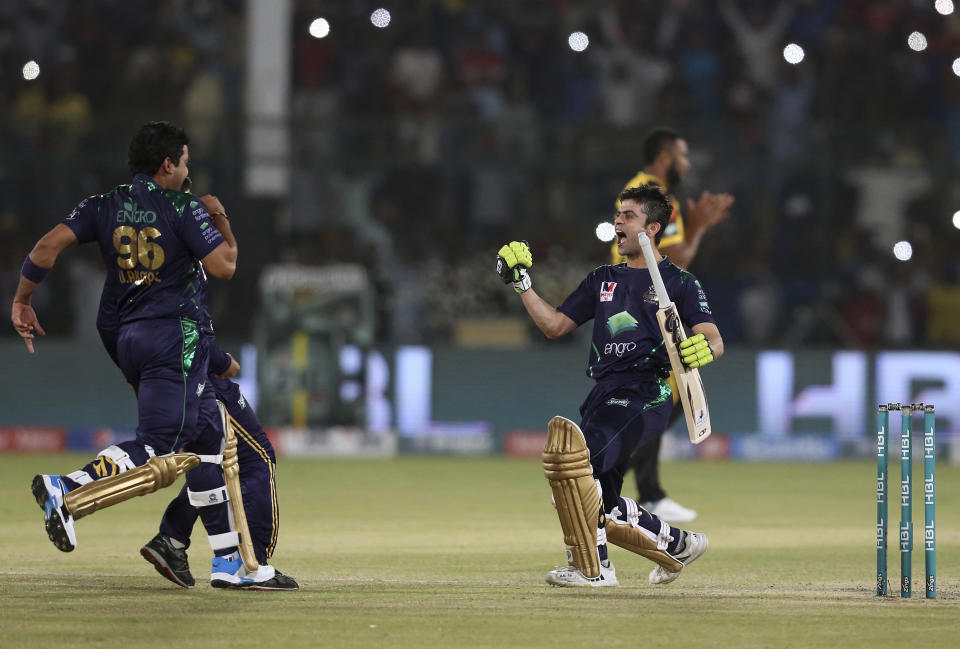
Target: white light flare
point(793, 53)
point(917, 42)
point(606, 232)
point(902, 250)
point(578, 41)
point(380, 18)
point(319, 28)
point(31, 70)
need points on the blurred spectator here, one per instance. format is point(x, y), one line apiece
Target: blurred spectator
point(759, 33)
point(631, 75)
point(482, 73)
point(416, 77)
point(423, 143)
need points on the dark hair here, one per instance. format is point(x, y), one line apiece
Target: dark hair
point(656, 141)
point(154, 143)
point(653, 202)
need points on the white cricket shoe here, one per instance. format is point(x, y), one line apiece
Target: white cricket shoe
point(570, 576)
point(48, 491)
point(695, 545)
point(229, 572)
point(670, 510)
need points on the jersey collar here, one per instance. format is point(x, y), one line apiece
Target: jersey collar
point(147, 181)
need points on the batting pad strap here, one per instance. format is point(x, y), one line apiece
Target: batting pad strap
point(224, 541)
point(119, 456)
point(80, 477)
point(641, 541)
point(208, 498)
point(632, 515)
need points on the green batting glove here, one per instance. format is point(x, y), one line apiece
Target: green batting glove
point(696, 351)
point(513, 260)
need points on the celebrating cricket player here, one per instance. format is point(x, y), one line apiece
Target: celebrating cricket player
point(631, 401)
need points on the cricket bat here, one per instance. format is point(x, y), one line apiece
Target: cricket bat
point(689, 384)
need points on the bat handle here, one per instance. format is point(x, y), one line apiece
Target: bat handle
point(662, 298)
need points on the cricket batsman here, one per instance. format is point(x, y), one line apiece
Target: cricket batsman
point(630, 403)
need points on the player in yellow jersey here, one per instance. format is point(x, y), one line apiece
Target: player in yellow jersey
point(665, 162)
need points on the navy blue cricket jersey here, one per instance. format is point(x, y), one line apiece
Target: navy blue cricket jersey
point(627, 343)
point(151, 240)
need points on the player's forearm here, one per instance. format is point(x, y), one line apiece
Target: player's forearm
point(716, 343)
point(46, 251)
point(25, 290)
point(712, 334)
point(551, 322)
point(41, 259)
point(222, 223)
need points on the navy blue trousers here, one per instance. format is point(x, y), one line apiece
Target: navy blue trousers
point(257, 463)
point(616, 421)
point(166, 361)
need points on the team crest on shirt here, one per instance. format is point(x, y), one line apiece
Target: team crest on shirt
point(651, 295)
point(606, 291)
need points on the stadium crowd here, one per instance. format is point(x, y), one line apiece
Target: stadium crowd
point(420, 147)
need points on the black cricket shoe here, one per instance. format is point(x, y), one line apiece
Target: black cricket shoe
point(279, 581)
point(169, 561)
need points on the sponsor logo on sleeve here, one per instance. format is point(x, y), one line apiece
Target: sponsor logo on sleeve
point(77, 209)
point(211, 234)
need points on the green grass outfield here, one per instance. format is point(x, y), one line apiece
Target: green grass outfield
point(448, 552)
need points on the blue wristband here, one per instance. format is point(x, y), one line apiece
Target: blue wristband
point(31, 271)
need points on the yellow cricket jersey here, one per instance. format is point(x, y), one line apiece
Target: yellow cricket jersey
point(673, 234)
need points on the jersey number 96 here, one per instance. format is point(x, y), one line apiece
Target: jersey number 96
point(133, 246)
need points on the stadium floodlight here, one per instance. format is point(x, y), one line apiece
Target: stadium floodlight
point(319, 28)
point(917, 42)
point(380, 18)
point(956, 220)
point(956, 67)
point(902, 250)
point(606, 232)
point(793, 53)
point(31, 70)
point(578, 41)
point(943, 7)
